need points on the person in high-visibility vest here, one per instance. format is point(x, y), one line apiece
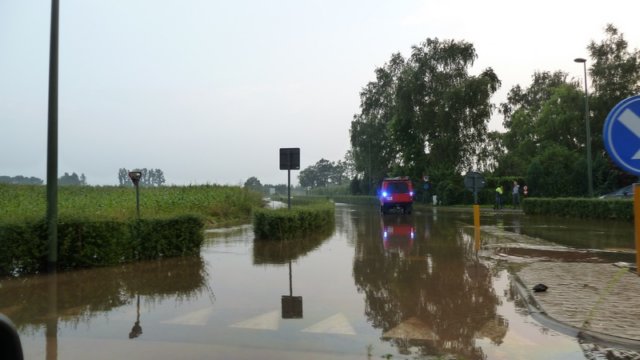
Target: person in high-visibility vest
point(499, 192)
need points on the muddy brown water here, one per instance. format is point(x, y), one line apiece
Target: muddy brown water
point(396, 286)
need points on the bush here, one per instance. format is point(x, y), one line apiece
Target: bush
point(580, 208)
point(299, 221)
point(87, 243)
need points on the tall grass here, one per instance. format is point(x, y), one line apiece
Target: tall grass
point(216, 204)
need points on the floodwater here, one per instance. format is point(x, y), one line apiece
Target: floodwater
point(400, 287)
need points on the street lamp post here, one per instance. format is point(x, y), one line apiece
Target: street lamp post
point(135, 178)
point(586, 120)
point(52, 142)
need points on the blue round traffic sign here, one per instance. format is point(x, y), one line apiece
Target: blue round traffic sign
point(621, 133)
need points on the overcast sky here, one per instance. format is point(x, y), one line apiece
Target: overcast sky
point(208, 91)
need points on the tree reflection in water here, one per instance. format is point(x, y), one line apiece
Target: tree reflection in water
point(430, 292)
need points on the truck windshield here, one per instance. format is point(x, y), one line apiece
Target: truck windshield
point(397, 188)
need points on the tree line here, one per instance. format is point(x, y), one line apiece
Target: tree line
point(150, 177)
point(67, 179)
point(426, 115)
point(254, 184)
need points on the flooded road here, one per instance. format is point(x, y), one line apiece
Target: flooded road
point(399, 287)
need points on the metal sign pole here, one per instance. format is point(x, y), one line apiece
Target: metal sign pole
point(475, 191)
point(289, 159)
point(622, 122)
point(137, 201)
point(636, 215)
point(476, 216)
point(289, 189)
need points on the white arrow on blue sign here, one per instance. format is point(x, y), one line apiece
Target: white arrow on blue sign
point(621, 134)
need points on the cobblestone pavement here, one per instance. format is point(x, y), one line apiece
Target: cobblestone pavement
point(590, 296)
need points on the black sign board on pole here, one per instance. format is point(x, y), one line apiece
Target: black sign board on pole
point(289, 160)
point(474, 182)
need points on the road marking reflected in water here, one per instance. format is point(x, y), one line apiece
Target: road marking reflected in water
point(194, 318)
point(336, 324)
point(268, 321)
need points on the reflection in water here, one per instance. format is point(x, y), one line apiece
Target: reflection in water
point(280, 252)
point(291, 305)
point(434, 299)
point(52, 316)
point(576, 233)
point(136, 330)
point(77, 296)
point(398, 233)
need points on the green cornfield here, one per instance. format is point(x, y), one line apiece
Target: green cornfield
point(217, 205)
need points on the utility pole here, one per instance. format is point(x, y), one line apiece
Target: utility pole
point(52, 143)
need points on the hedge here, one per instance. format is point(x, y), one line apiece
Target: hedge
point(89, 243)
point(298, 221)
point(580, 208)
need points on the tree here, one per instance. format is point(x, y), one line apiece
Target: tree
point(253, 184)
point(553, 173)
point(322, 174)
point(156, 177)
point(19, 179)
point(615, 75)
point(423, 114)
point(561, 119)
point(72, 179)
point(372, 148)
point(521, 114)
point(123, 177)
point(545, 122)
point(442, 111)
point(150, 177)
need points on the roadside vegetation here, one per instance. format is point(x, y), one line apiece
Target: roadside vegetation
point(216, 205)
point(98, 226)
point(315, 216)
point(580, 208)
point(426, 113)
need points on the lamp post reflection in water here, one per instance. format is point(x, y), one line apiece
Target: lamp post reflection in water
point(136, 330)
point(52, 317)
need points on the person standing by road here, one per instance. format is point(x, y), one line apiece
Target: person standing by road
point(499, 192)
point(515, 193)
